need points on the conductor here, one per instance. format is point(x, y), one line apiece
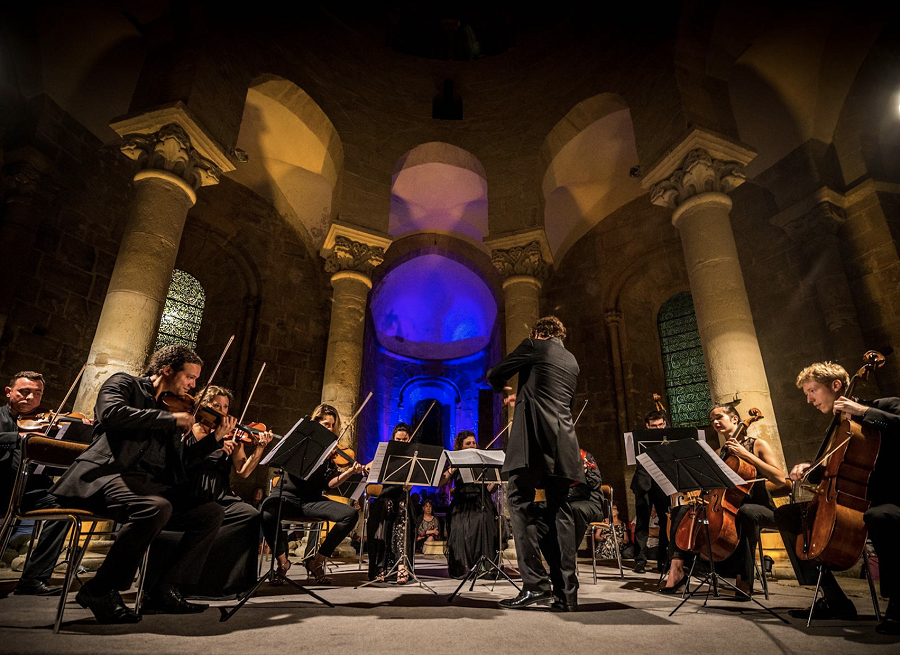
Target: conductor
point(543, 453)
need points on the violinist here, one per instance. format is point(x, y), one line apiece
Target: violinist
point(648, 494)
point(388, 514)
point(24, 394)
point(824, 385)
point(757, 509)
point(304, 498)
point(232, 563)
point(468, 530)
point(131, 472)
point(586, 498)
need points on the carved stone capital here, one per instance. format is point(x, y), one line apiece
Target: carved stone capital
point(821, 213)
point(169, 149)
point(521, 260)
point(699, 173)
point(349, 255)
point(613, 317)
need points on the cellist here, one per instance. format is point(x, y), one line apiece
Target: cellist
point(756, 511)
point(824, 384)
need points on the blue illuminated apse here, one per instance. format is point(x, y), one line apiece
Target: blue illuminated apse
point(431, 333)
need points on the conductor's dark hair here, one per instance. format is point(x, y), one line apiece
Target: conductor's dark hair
point(549, 327)
point(462, 436)
point(654, 415)
point(174, 355)
point(401, 427)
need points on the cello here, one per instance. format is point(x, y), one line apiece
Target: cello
point(720, 509)
point(834, 533)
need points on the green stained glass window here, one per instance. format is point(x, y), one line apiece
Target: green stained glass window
point(685, 371)
point(183, 311)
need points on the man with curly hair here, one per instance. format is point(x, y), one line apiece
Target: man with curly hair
point(542, 453)
point(137, 458)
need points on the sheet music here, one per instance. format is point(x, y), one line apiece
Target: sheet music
point(484, 476)
point(268, 458)
point(473, 457)
point(378, 461)
point(59, 435)
point(730, 474)
point(439, 469)
point(629, 449)
point(360, 488)
point(658, 476)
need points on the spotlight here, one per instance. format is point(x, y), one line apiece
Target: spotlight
point(635, 171)
point(241, 155)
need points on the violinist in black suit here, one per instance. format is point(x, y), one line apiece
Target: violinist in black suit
point(136, 459)
point(646, 494)
point(542, 453)
point(824, 385)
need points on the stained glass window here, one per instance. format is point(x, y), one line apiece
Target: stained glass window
point(682, 352)
point(183, 311)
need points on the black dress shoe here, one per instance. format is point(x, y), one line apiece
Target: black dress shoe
point(108, 607)
point(671, 591)
point(526, 598)
point(170, 601)
point(827, 609)
point(36, 588)
point(564, 605)
point(639, 567)
point(888, 626)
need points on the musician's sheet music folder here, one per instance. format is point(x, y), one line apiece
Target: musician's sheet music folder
point(688, 465)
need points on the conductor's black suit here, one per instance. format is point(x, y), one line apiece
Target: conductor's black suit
point(542, 453)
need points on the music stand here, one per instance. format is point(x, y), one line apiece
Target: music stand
point(480, 467)
point(300, 452)
point(407, 464)
point(688, 465)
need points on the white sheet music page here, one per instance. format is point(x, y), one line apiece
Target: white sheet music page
point(473, 457)
point(377, 462)
point(658, 476)
point(731, 475)
point(439, 469)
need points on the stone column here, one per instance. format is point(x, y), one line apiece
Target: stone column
point(351, 254)
point(22, 178)
point(693, 181)
point(522, 260)
point(165, 188)
point(814, 222)
point(613, 320)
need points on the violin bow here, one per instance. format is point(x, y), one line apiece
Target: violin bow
point(580, 413)
point(249, 398)
point(208, 382)
point(422, 421)
point(499, 434)
point(55, 419)
point(353, 418)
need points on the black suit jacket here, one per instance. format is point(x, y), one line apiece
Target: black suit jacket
point(129, 420)
point(542, 437)
point(884, 415)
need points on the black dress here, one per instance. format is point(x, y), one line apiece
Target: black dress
point(231, 566)
point(385, 530)
point(471, 526)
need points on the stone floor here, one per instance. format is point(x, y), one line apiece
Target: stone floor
point(617, 616)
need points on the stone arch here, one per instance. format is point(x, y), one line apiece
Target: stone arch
point(439, 187)
point(296, 157)
point(588, 156)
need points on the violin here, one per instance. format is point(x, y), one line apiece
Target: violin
point(40, 419)
point(249, 434)
point(834, 533)
point(720, 509)
point(210, 417)
point(343, 456)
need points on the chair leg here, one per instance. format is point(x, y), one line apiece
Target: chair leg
point(142, 575)
point(35, 532)
point(594, 553)
point(871, 585)
point(70, 572)
point(816, 595)
point(762, 564)
point(612, 531)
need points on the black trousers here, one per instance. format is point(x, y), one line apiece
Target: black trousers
point(584, 512)
point(46, 551)
point(144, 507)
point(750, 518)
point(642, 504)
point(550, 530)
point(883, 523)
point(343, 516)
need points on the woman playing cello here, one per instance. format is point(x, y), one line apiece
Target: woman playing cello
point(757, 509)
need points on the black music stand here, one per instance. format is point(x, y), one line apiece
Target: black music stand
point(300, 452)
point(688, 465)
point(400, 462)
point(485, 467)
